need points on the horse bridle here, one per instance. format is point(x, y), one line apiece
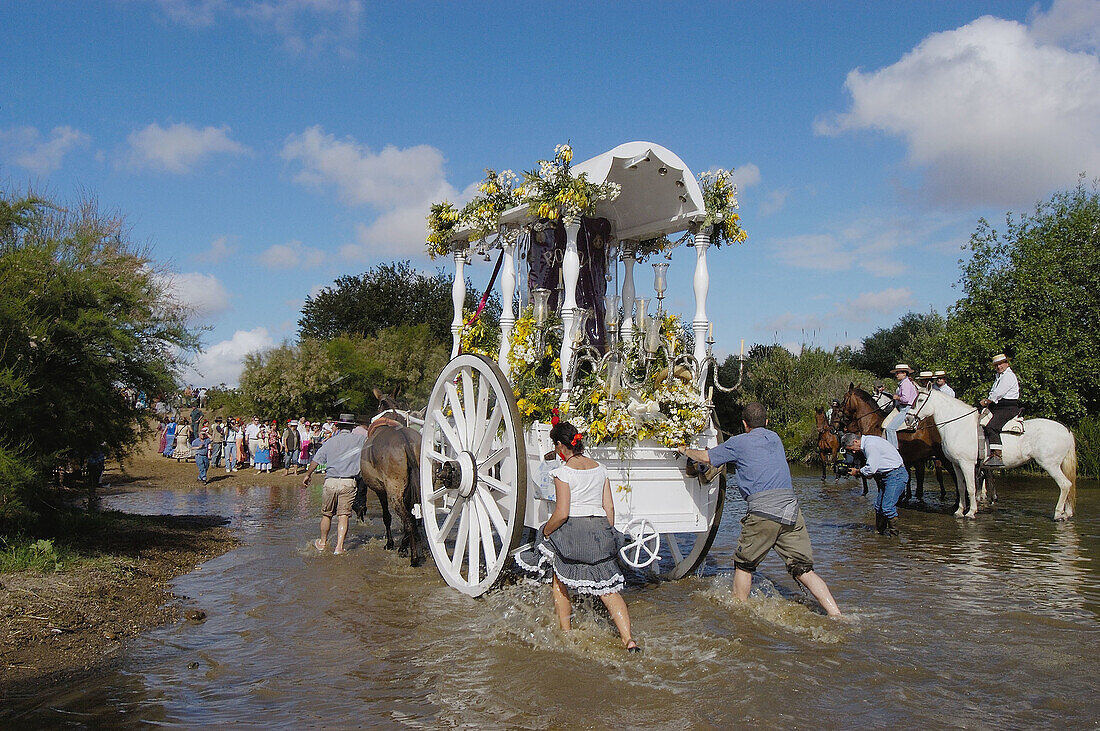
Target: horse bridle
point(923, 395)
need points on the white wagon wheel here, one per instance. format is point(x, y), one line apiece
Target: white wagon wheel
point(688, 550)
point(473, 473)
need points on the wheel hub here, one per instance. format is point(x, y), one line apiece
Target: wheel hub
point(467, 466)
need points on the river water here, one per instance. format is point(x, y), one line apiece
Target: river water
point(982, 624)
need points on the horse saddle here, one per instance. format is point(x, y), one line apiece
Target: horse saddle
point(908, 425)
point(1014, 425)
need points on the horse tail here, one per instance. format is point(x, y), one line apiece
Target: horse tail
point(412, 479)
point(1069, 469)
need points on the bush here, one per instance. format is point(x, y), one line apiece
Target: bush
point(1087, 433)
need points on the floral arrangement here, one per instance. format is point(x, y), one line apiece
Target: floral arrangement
point(477, 220)
point(553, 191)
point(671, 411)
point(534, 366)
point(478, 337)
point(720, 199)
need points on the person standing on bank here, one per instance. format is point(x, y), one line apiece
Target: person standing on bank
point(577, 547)
point(217, 441)
point(774, 519)
point(1004, 403)
point(341, 453)
point(201, 447)
point(885, 465)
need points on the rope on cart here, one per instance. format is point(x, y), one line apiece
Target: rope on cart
point(485, 296)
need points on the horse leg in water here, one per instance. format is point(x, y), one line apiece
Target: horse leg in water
point(920, 469)
point(387, 518)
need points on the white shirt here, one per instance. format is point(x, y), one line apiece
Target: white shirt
point(252, 431)
point(881, 455)
point(945, 389)
point(585, 489)
point(1006, 386)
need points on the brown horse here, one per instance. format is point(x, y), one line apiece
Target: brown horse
point(827, 444)
point(390, 466)
point(861, 415)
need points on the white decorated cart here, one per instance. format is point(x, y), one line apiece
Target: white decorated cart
point(483, 478)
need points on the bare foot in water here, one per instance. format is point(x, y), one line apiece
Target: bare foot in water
point(338, 551)
point(319, 544)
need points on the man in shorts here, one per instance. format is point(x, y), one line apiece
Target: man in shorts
point(774, 519)
point(341, 454)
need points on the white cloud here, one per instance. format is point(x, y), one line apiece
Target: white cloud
point(179, 147)
point(291, 255)
point(223, 362)
point(1073, 24)
point(880, 246)
point(884, 301)
point(25, 147)
point(773, 202)
point(746, 176)
point(305, 26)
point(203, 294)
point(857, 309)
point(990, 111)
point(220, 249)
point(399, 183)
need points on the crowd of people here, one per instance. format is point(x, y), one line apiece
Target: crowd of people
point(233, 442)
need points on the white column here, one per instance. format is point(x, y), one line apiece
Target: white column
point(507, 291)
point(702, 285)
point(458, 298)
point(626, 325)
point(571, 270)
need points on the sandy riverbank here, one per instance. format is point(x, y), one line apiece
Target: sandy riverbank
point(57, 627)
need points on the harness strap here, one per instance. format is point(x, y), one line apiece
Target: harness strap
point(485, 295)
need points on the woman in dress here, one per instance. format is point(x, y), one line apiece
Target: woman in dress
point(169, 437)
point(263, 454)
point(242, 455)
point(274, 445)
point(578, 546)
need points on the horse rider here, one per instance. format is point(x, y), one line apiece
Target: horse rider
point(924, 380)
point(1004, 403)
point(833, 406)
point(880, 396)
point(941, 384)
point(904, 397)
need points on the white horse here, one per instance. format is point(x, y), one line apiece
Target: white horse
point(1047, 442)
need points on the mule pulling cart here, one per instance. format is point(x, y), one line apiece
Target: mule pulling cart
point(586, 346)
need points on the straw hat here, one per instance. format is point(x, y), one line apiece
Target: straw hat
point(925, 375)
point(998, 359)
point(940, 374)
point(902, 367)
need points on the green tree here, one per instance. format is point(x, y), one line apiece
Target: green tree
point(1033, 292)
point(291, 380)
point(388, 295)
point(917, 339)
point(84, 313)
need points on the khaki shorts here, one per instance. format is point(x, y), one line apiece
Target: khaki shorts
point(337, 496)
point(760, 535)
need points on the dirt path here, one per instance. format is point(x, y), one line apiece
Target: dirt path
point(56, 627)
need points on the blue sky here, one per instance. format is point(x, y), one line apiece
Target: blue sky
point(263, 148)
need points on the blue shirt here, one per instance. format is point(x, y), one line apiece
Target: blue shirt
point(761, 465)
point(881, 455)
point(341, 453)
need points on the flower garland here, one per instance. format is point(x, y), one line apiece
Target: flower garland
point(477, 337)
point(477, 220)
point(552, 191)
point(720, 200)
point(535, 372)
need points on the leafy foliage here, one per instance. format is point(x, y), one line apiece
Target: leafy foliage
point(917, 339)
point(388, 295)
point(1033, 292)
point(83, 314)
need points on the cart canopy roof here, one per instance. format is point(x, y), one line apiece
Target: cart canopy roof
point(660, 195)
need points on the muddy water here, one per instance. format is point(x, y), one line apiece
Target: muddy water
point(991, 623)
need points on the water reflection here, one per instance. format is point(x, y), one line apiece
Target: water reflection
point(984, 623)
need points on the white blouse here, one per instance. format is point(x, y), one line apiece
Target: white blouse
point(585, 489)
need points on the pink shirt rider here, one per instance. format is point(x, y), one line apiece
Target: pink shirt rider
point(906, 393)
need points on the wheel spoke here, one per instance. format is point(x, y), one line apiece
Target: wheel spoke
point(460, 542)
point(449, 432)
point(437, 456)
point(487, 544)
point(674, 548)
point(495, 484)
point(439, 493)
point(493, 511)
point(490, 431)
point(482, 411)
point(492, 460)
point(469, 410)
point(459, 416)
point(449, 521)
point(474, 574)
